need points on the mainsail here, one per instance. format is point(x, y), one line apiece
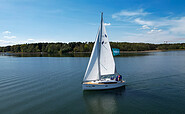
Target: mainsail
point(107, 64)
point(101, 61)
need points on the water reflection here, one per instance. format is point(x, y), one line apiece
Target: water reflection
point(103, 102)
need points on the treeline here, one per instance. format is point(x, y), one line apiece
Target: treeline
point(87, 47)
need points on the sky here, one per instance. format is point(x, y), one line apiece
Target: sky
point(147, 21)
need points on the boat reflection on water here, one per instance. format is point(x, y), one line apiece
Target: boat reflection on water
point(103, 102)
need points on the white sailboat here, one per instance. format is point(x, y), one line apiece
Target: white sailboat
point(101, 66)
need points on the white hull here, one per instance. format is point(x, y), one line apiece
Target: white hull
point(102, 86)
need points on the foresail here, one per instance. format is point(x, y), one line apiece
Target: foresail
point(92, 71)
point(107, 64)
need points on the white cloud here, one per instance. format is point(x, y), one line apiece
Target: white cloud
point(145, 27)
point(143, 22)
point(5, 43)
point(178, 25)
point(31, 40)
point(9, 37)
point(107, 24)
point(139, 12)
point(154, 31)
point(155, 37)
point(6, 32)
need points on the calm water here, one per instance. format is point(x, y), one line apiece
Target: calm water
point(47, 85)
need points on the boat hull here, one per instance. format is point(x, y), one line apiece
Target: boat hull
point(102, 86)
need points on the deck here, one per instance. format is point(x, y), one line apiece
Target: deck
point(101, 83)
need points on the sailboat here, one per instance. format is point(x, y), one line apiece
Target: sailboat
point(101, 68)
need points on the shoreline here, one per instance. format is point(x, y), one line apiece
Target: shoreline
point(146, 51)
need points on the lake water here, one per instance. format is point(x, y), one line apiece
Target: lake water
point(48, 85)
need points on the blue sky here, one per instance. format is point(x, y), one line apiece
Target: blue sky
point(149, 21)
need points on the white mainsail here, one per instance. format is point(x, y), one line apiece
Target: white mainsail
point(101, 61)
point(107, 64)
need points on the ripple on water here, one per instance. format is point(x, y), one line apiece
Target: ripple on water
point(155, 84)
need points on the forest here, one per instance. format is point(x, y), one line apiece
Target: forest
point(73, 47)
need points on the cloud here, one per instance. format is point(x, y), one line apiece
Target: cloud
point(145, 27)
point(6, 32)
point(143, 22)
point(154, 37)
point(107, 24)
point(178, 25)
point(154, 31)
point(5, 43)
point(9, 37)
point(31, 40)
point(126, 13)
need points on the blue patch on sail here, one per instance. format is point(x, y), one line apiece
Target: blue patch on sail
point(105, 35)
point(102, 42)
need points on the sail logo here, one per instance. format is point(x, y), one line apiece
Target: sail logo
point(105, 35)
point(104, 42)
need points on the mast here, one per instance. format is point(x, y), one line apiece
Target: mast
point(100, 44)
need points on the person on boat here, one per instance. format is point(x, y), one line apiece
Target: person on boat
point(120, 78)
point(116, 78)
point(112, 78)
